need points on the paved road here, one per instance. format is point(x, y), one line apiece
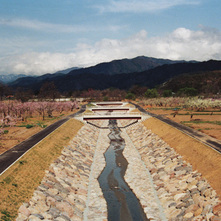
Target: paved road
point(10, 156)
point(210, 141)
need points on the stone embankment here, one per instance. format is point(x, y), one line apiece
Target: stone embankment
point(183, 193)
point(63, 193)
point(166, 185)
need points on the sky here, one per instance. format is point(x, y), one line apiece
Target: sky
point(45, 36)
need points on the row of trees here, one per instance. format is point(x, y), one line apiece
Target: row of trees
point(49, 91)
point(193, 103)
point(136, 92)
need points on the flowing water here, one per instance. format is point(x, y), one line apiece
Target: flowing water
point(122, 203)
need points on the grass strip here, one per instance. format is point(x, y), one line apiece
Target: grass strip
point(196, 114)
point(18, 183)
point(201, 122)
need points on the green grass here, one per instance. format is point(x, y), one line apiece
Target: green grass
point(6, 216)
point(196, 114)
point(90, 105)
point(166, 108)
point(40, 124)
point(28, 126)
point(201, 122)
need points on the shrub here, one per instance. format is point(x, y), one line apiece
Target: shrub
point(130, 96)
point(28, 126)
point(187, 91)
point(43, 125)
point(105, 98)
point(5, 132)
point(167, 93)
point(151, 93)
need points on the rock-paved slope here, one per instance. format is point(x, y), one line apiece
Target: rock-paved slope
point(96, 205)
point(166, 185)
point(139, 179)
point(184, 193)
point(62, 194)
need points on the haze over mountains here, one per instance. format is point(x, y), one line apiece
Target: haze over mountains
point(137, 64)
point(10, 77)
point(123, 74)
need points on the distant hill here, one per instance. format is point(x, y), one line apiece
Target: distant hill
point(96, 80)
point(66, 71)
point(34, 82)
point(137, 64)
point(10, 77)
point(123, 66)
point(204, 82)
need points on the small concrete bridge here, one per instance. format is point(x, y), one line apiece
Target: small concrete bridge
point(110, 109)
point(112, 117)
point(109, 103)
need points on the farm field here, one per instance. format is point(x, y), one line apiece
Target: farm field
point(16, 130)
point(206, 120)
point(201, 121)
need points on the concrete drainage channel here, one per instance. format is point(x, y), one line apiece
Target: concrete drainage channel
point(122, 203)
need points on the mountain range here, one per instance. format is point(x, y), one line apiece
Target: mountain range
point(123, 74)
point(123, 66)
point(10, 77)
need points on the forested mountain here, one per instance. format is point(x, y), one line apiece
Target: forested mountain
point(123, 66)
point(137, 64)
point(96, 80)
point(206, 82)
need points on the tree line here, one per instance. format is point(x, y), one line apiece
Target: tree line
point(48, 91)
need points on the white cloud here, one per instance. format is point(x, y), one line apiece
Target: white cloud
point(56, 28)
point(138, 6)
point(181, 44)
point(42, 26)
point(37, 63)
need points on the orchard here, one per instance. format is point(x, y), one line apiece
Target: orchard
point(12, 111)
point(191, 103)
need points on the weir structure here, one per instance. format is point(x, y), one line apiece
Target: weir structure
point(109, 112)
point(117, 103)
point(110, 109)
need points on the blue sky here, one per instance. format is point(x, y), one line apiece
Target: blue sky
point(45, 36)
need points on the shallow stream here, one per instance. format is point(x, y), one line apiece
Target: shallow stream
point(122, 203)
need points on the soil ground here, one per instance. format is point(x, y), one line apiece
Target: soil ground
point(201, 121)
point(20, 133)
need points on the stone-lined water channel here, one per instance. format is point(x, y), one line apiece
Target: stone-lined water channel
point(166, 185)
point(122, 203)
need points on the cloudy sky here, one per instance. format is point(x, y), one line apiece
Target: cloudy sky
point(44, 36)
